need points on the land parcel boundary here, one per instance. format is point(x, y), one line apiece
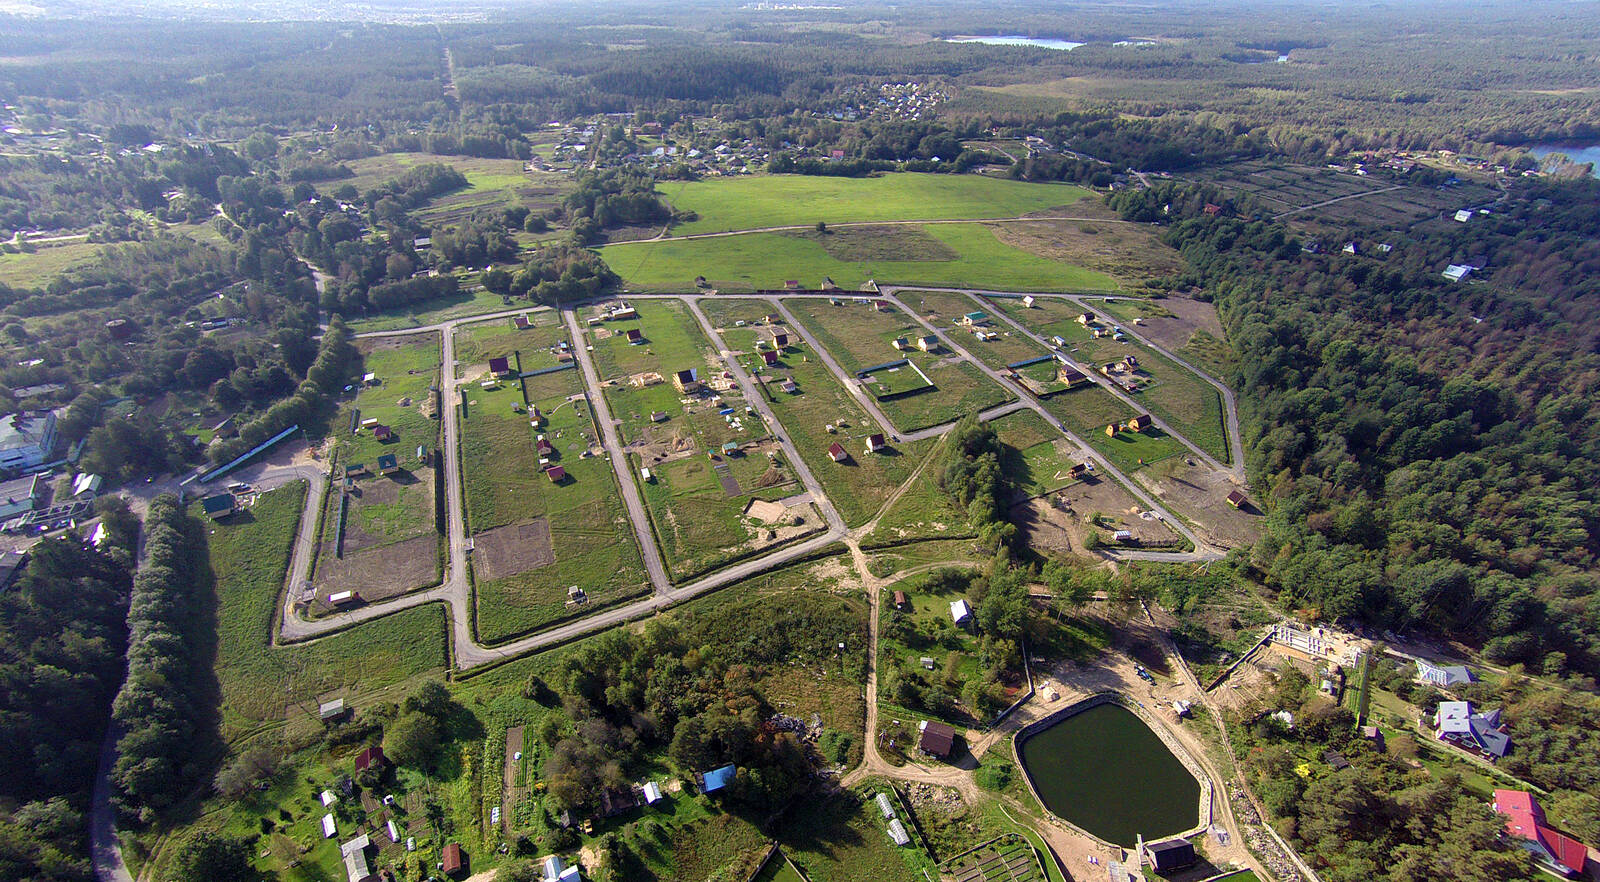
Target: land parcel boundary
point(535, 535)
point(764, 261)
point(859, 484)
point(862, 335)
point(1184, 401)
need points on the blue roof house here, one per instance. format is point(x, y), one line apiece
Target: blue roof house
point(716, 779)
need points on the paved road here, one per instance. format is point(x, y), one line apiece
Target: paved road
point(1202, 551)
point(619, 459)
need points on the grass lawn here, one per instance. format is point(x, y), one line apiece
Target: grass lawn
point(1039, 457)
point(924, 511)
point(779, 870)
point(406, 367)
point(478, 342)
point(249, 556)
point(697, 524)
point(944, 309)
point(590, 538)
point(859, 336)
point(840, 838)
point(744, 203)
point(465, 303)
point(1087, 410)
point(1184, 401)
point(673, 340)
point(765, 260)
point(859, 485)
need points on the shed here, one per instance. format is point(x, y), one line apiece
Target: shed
point(937, 739)
point(381, 432)
point(1335, 760)
point(1236, 499)
point(974, 318)
point(1027, 301)
point(556, 474)
point(388, 463)
point(769, 357)
point(1140, 422)
point(716, 779)
point(634, 336)
point(652, 793)
point(960, 611)
point(329, 829)
point(219, 506)
point(789, 387)
point(520, 322)
point(451, 860)
point(730, 448)
point(339, 598)
point(659, 416)
point(328, 798)
point(330, 709)
point(900, 343)
point(371, 758)
point(85, 485)
point(899, 600)
point(1173, 854)
point(1464, 215)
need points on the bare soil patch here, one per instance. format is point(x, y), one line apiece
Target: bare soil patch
point(1059, 521)
point(1171, 322)
point(1127, 252)
point(380, 573)
point(512, 549)
point(1201, 495)
point(383, 490)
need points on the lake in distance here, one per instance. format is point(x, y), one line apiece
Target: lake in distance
point(1104, 770)
point(1579, 153)
point(1039, 42)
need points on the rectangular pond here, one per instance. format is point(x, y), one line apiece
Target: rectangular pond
point(1105, 771)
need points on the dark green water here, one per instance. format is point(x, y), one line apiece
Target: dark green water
point(1105, 771)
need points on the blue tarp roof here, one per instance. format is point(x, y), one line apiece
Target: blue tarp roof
point(716, 779)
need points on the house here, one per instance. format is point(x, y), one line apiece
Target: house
point(928, 343)
point(730, 448)
point(228, 428)
point(791, 285)
point(1236, 499)
point(882, 306)
point(960, 611)
point(388, 464)
point(1335, 760)
point(634, 336)
point(521, 322)
point(1058, 341)
point(26, 440)
point(1170, 855)
point(1375, 735)
point(772, 318)
point(381, 432)
point(422, 242)
point(1086, 318)
point(789, 387)
point(716, 779)
point(837, 453)
point(1072, 377)
point(780, 339)
point(659, 416)
point(371, 758)
point(1112, 429)
point(1351, 248)
point(500, 366)
point(329, 710)
point(652, 793)
point(876, 442)
point(687, 381)
point(1139, 423)
point(900, 343)
point(451, 861)
point(21, 495)
point(219, 506)
point(556, 474)
point(354, 853)
point(1027, 302)
point(1480, 732)
point(1463, 215)
point(769, 358)
point(937, 739)
point(1443, 675)
point(355, 468)
point(1456, 272)
point(899, 600)
point(974, 318)
point(1525, 822)
point(1078, 471)
point(543, 446)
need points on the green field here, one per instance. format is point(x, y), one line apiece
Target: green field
point(745, 203)
point(1180, 398)
point(260, 684)
point(464, 304)
point(1087, 410)
point(478, 342)
point(504, 485)
point(859, 485)
point(766, 260)
point(406, 367)
point(859, 336)
point(1041, 455)
point(840, 838)
point(944, 309)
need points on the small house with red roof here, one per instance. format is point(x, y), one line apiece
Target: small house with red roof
point(371, 758)
point(876, 442)
point(837, 453)
point(382, 432)
point(556, 474)
point(500, 366)
point(769, 357)
point(1551, 849)
point(634, 336)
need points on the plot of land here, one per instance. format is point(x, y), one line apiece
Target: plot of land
point(516, 548)
point(404, 369)
point(379, 573)
point(1187, 327)
point(764, 261)
point(1285, 186)
point(944, 309)
point(1042, 457)
point(1061, 521)
point(533, 347)
point(860, 336)
point(1201, 495)
point(857, 486)
point(745, 203)
point(1087, 410)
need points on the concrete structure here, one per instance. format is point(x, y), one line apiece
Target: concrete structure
point(26, 439)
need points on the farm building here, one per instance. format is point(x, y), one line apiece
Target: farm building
point(960, 611)
point(836, 452)
point(1443, 675)
point(451, 861)
point(388, 464)
point(1236, 499)
point(1478, 731)
point(716, 779)
point(556, 474)
point(1525, 822)
point(26, 440)
point(354, 853)
point(687, 381)
point(1173, 854)
point(500, 366)
point(876, 442)
point(218, 506)
point(937, 739)
point(329, 710)
point(899, 600)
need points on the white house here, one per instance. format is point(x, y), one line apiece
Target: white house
point(1456, 272)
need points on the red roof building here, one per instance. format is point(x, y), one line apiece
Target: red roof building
point(937, 740)
point(876, 442)
point(1236, 499)
point(450, 861)
point(382, 432)
point(770, 357)
point(1551, 849)
point(837, 453)
point(371, 758)
point(501, 365)
point(556, 474)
